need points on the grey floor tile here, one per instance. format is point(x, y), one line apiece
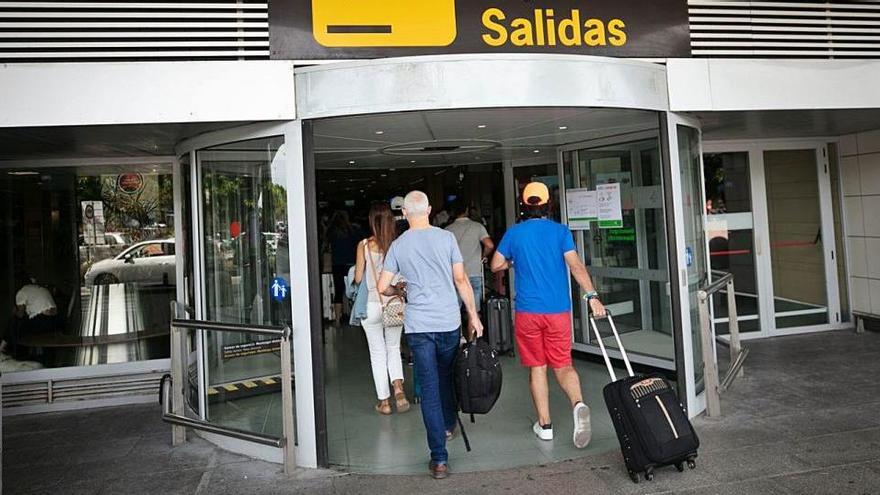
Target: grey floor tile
point(856, 479)
point(839, 448)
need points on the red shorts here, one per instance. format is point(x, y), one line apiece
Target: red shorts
point(544, 339)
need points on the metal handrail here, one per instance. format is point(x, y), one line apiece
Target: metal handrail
point(169, 417)
point(228, 327)
point(714, 386)
point(173, 396)
point(717, 285)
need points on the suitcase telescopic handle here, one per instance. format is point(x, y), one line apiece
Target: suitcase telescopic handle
point(605, 351)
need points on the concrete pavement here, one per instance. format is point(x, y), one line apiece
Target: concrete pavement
point(805, 419)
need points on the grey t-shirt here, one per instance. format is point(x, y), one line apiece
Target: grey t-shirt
point(469, 235)
point(424, 258)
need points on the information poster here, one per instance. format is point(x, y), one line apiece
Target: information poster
point(581, 208)
point(608, 202)
point(93, 222)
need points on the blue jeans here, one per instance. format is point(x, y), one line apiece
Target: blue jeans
point(433, 359)
point(477, 286)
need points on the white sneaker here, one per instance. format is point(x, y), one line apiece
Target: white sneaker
point(583, 432)
point(543, 432)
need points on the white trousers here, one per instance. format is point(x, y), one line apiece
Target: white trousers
point(384, 344)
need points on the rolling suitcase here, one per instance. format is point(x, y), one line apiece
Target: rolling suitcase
point(651, 423)
point(500, 325)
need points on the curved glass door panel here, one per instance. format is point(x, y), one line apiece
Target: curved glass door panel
point(245, 246)
point(628, 262)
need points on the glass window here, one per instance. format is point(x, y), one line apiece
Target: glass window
point(93, 248)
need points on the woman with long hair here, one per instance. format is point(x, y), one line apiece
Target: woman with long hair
point(383, 342)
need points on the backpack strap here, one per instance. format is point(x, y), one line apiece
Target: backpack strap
point(467, 442)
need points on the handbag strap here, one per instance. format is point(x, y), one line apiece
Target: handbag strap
point(369, 253)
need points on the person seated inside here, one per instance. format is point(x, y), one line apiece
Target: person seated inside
point(36, 308)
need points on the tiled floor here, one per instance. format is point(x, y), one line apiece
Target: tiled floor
point(365, 442)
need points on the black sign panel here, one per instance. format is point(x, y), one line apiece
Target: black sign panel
point(349, 29)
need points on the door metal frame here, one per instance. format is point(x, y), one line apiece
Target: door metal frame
point(696, 403)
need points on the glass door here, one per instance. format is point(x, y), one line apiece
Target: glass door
point(801, 237)
point(770, 221)
point(626, 255)
point(246, 273)
point(731, 233)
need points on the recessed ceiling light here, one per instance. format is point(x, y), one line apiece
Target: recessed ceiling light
point(536, 151)
point(392, 169)
point(383, 175)
point(23, 172)
point(380, 132)
point(563, 127)
point(481, 126)
point(412, 161)
point(351, 162)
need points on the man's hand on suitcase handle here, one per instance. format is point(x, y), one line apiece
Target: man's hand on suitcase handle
point(596, 306)
point(475, 328)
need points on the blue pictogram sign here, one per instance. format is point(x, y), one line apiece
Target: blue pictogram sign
point(279, 289)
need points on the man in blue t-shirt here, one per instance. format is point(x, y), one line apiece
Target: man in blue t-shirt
point(542, 253)
point(429, 260)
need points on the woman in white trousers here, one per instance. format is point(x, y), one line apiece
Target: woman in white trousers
point(383, 342)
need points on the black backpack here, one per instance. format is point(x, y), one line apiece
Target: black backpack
point(477, 377)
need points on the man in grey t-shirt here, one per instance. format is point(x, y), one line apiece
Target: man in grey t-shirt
point(429, 260)
point(475, 245)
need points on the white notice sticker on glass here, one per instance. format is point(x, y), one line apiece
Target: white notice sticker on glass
point(580, 208)
point(608, 201)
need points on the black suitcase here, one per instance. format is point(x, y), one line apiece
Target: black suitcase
point(500, 325)
point(651, 423)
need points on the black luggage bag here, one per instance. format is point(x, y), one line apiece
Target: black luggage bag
point(651, 423)
point(500, 325)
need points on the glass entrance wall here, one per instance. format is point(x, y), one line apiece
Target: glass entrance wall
point(628, 263)
point(245, 245)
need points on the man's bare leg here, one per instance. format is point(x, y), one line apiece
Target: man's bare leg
point(540, 389)
point(570, 382)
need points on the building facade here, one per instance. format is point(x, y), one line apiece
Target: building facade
point(163, 162)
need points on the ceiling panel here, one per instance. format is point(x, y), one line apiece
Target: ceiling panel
point(519, 133)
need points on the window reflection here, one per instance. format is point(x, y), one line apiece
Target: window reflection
point(96, 243)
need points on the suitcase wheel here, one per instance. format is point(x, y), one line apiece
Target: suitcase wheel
point(692, 464)
point(649, 474)
point(634, 477)
point(680, 467)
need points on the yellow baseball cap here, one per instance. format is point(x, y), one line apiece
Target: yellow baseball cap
point(536, 194)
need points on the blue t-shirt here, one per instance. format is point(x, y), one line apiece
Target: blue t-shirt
point(537, 249)
point(424, 258)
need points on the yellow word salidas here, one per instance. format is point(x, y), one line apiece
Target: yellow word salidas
point(545, 29)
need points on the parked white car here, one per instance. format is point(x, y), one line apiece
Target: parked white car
point(150, 262)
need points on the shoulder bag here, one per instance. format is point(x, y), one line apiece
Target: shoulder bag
point(393, 309)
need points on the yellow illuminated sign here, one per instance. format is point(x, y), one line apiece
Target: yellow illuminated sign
point(383, 23)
